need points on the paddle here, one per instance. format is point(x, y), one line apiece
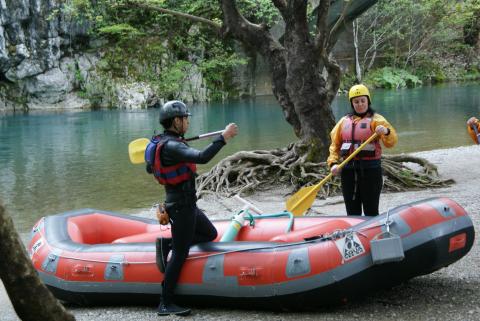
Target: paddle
point(475, 129)
point(304, 198)
point(136, 148)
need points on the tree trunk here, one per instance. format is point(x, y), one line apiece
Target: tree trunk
point(307, 89)
point(296, 68)
point(30, 297)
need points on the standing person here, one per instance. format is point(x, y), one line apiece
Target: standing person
point(473, 124)
point(174, 167)
point(362, 177)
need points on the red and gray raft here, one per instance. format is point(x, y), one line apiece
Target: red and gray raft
point(96, 257)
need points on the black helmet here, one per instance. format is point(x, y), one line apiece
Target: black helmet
point(172, 109)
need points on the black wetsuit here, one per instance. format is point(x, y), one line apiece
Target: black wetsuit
point(362, 183)
point(189, 224)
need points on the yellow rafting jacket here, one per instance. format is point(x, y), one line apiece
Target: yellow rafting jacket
point(336, 136)
point(471, 132)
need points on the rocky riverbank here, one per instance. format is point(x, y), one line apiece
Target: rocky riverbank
point(452, 293)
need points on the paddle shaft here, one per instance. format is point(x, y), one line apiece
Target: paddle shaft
point(218, 132)
point(340, 166)
point(355, 152)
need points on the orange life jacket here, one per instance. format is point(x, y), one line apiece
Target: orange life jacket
point(354, 133)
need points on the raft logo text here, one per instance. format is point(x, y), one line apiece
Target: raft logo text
point(350, 246)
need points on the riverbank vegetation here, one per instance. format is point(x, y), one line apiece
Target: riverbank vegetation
point(408, 43)
point(394, 44)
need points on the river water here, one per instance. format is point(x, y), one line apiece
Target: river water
point(57, 161)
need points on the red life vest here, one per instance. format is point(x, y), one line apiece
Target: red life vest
point(175, 174)
point(354, 133)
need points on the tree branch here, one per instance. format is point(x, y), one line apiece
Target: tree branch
point(238, 25)
point(335, 31)
point(190, 17)
point(322, 30)
point(333, 78)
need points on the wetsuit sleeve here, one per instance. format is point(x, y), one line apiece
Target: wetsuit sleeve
point(177, 152)
point(471, 132)
point(336, 137)
point(389, 140)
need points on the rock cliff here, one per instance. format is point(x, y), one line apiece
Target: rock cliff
point(40, 55)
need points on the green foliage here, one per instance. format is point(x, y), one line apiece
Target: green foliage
point(401, 29)
point(347, 81)
point(430, 71)
point(259, 11)
point(171, 79)
point(217, 73)
point(146, 45)
point(120, 31)
point(425, 37)
point(470, 75)
point(392, 78)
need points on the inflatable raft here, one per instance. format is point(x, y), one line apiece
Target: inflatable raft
point(97, 257)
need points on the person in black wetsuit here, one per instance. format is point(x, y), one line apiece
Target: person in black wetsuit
point(174, 167)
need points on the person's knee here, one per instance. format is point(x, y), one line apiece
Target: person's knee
point(213, 234)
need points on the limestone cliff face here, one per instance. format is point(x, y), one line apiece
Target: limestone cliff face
point(40, 61)
point(44, 63)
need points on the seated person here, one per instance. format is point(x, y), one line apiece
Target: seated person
point(473, 127)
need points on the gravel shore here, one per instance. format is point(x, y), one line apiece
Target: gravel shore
point(452, 293)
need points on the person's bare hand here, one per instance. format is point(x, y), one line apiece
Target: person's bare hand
point(231, 130)
point(335, 170)
point(472, 121)
point(381, 130)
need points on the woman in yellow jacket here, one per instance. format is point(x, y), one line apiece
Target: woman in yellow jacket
point(362, 177)
point(473, 127)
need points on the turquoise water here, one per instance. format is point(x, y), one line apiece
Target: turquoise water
point(54, 162)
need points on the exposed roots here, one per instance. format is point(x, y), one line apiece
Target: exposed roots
point(247, 171)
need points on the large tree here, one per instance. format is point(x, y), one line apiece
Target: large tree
point(30, 297)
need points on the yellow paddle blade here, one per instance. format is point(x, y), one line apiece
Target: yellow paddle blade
point(136, 150)
point(302, 200)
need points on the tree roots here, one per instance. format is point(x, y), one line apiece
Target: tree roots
point(247, 171)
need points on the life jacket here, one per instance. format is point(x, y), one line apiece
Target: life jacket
point(167, 175)
point(354, 133)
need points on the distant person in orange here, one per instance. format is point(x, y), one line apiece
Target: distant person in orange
point(473, 127)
